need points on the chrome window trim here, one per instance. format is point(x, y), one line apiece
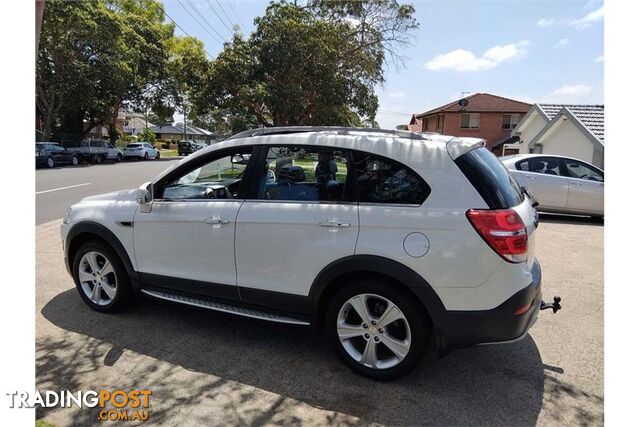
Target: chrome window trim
point(306, 202)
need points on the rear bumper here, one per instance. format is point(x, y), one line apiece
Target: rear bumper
point(460, 329)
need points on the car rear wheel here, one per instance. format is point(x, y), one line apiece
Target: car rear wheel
point(101, 278)
point(118, 158)
point(377, 330)
point(50, 162)
point(158, 156)
point(146, 156)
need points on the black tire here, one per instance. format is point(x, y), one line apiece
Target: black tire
point(98, 159)
point(50, 162)
point(124, 294)
point(75, 161)
point(146, 156)
point(158, 156)
point(118, 158)
point(415, 316)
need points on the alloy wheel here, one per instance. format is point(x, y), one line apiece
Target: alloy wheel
point(50, 162)
point(97, 278)
point(373, 331)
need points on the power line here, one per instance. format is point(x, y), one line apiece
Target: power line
point(394, 113)
point(225, 13)
point(231, 8)
point(220, 18)
point(220, 38)
point(181, 29)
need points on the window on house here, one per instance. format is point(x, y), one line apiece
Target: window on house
point(510, 121)
point(470, 121)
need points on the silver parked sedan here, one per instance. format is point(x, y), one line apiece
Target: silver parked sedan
point(561, 184)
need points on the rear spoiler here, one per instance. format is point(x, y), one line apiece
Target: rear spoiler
point(456, 147)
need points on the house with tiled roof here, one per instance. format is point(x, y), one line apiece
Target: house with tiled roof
point(177, 132)
point(481, 115)
point(563, 129)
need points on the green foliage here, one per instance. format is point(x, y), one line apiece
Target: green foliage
point(94, 56)
point(312, 65)
point(147, 135)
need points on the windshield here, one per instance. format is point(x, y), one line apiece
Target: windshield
point(134, 146)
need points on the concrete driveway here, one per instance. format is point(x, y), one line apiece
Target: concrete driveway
point(209, 368)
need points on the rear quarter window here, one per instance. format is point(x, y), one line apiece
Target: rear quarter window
point(490, 178)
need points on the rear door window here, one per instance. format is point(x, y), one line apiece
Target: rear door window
point(545, 165)
point(490, 178)
point(305, 173)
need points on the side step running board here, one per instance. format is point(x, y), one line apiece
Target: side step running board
point(224, 307)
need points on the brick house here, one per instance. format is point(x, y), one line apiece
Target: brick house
point(485, 116)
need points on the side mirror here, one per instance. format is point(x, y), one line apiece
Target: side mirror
point(144, 196)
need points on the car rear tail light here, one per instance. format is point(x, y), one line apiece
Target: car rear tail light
point(503, 230)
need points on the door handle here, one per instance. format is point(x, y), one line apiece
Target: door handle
point(338, 224)
point(213, 220)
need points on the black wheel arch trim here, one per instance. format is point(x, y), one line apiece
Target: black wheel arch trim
point(108, 236)
point(373, 264)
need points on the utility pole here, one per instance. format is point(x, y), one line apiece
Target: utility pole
point(184, 122)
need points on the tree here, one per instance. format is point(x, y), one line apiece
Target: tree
point(95, 56)
point(316, 64)
point(183, 76)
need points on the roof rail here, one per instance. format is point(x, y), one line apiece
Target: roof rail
point(283, 130)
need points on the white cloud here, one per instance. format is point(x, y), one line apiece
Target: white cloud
point(561, 43)
point(544, 22)
point(588, 19)
point(462, 60)
point(570, 93)
point(599, 58)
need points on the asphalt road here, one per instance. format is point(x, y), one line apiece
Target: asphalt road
point(59, 188)
point(208, 368)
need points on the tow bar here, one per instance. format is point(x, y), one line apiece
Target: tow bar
point(555, 306)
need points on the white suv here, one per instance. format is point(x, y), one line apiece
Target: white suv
point(388, 241)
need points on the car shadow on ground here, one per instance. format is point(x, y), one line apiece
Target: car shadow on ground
point(570, 219)
point(492, 385)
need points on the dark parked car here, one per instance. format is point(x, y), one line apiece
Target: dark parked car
point(186, 147)
point(50, 154)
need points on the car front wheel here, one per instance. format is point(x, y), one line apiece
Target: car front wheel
point(101, 278)
point(74, 161)
point(377, 329)
point(50, 162)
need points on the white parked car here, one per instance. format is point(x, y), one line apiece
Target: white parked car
point(141, 150)
point(560, 184)
point(388, 241)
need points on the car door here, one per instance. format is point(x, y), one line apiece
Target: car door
point(542, 175)
point(186, 240)
point(586, 187)
point(61, 155)
point(302, 216)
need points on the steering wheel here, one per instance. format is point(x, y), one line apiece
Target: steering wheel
point(271, 176)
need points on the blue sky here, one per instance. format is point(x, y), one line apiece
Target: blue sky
point(531, 50)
